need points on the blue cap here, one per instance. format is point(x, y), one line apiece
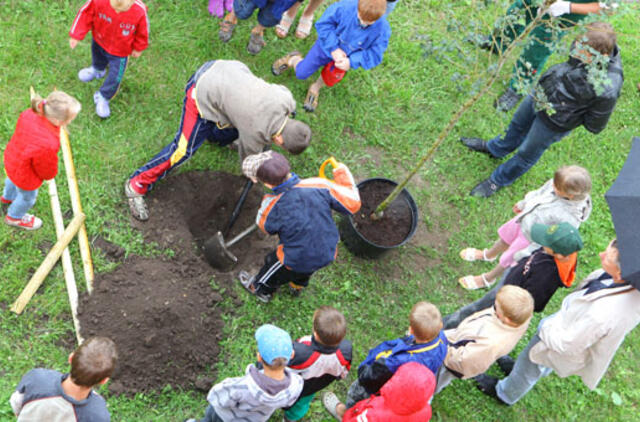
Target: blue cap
point(273, 343)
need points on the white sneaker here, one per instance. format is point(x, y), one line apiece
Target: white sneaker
point(90, 73)
point(27, 222)
point(102, 105)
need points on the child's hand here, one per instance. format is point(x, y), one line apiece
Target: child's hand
point(516, 209)
point(338, 54)
point(135, 54)
point(343, 64)
point(72, 43)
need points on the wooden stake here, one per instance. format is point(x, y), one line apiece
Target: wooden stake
point(67, 267)
point(74, 193)
point(48, 263)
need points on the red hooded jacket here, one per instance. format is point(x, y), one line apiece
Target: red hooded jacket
point(118, 33)
point(404, 398)
point(31, 156)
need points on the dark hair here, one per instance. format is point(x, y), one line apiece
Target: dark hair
point(277, 363)
point(93, 361)
point(296, 136)
point(601, 37)
point(274, 170)
point(330, 325)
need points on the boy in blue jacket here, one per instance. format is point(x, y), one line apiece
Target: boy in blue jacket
point(425, 344)
point(299, 212)
point(351, 34)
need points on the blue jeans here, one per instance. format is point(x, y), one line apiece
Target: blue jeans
point(211, 416)
point(266, 16)
point(100, 60)
point(524, 375)
point(529, 135)
point(23, 200)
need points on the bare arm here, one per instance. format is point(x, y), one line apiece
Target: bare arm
point(585, 8)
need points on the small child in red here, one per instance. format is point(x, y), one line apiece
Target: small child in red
point(31, 156)
point(119, 28)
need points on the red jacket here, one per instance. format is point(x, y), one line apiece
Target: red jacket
point(404, 398)
point(31, 155)
point(118, 33)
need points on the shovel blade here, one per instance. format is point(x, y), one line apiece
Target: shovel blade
point(217, 254)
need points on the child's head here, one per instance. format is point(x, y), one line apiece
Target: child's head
point(425, 322)
point(514, 305)
point(268, 167)
point(93, 362)
point(370, 11)
point(329, 326)
point(59, 107)
point(295, 136)
point(121, 5)
point(563, 238)
point(601, 37)
point(275, 347)
point(572, 182)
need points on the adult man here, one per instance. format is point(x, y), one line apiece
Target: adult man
point(223, 101)
point(568, 88)
point(580, 339)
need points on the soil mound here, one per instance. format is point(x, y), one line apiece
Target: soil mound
point(162, 312)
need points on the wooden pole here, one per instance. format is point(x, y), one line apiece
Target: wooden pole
point(72, 181)
point(48, 263)
point(67, 267)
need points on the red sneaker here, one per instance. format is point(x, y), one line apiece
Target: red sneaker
point(27, 222)
point(5, 200)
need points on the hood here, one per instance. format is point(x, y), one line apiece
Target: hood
point(414, 378)
point(258, 390)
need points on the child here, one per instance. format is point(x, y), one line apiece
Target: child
point(120, 28)
point(257, 394)
point(299, 212)
point(404, 398)
point(565, 198)
point(483, 337)
point(31, 156)
point(48, 395)
point(269, 14)
point(320, 359)
point(351, 34)
point(425, 344)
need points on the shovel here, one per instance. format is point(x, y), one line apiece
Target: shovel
point(217, 253)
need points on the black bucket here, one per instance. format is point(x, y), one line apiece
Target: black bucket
point(362, 247)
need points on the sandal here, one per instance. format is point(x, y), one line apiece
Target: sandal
point(311, 101)
point(469, 282)
point(282, 63)
point(469, 254)
point(256, 42)
point(226, 30)
point(282, 29)
point(330, 402)
point(304, 27)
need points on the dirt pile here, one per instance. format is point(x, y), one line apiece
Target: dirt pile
point(162, 312)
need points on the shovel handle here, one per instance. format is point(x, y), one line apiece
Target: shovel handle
point(240, 236)
point(238, 207)
point(331, 160)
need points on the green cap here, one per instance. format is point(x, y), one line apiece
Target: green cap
point(563, 238)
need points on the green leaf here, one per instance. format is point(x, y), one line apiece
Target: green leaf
point(617, 400)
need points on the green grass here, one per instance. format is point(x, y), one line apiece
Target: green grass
point(377, 122)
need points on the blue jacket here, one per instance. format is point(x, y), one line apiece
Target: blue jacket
point(385, 359)
point(339, 27)
point(299, 211)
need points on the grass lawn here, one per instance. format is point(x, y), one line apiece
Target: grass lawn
point(377, 122)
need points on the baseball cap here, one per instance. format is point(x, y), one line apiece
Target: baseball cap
point(563, 238)
point(252, 163)
point(273, 343)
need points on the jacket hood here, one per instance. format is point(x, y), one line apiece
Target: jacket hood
point(409, 390)
point(280, 399)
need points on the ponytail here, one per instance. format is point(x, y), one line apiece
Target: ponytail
point(59, 106)
point(38, 103)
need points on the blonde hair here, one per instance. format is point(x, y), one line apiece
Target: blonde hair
point(573, 180)
point(516, 303)
point(425, 321)
point(121, 5)
point(58, 105)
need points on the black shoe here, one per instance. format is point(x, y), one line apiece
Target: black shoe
point(506, 364)
point(295, 290)
point(485, 189)
point(487, 384)
point(484, 42)
point(477, 144)
point(508, 100)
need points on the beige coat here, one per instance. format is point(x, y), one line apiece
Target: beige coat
point(583, 336)
point(229, 94)
point(481, 338)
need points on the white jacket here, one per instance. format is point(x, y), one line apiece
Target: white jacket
point(582, 337)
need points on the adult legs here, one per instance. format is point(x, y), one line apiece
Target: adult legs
point(517, 131)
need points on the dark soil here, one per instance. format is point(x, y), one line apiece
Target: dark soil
point(395, 224)
point(162, 312)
